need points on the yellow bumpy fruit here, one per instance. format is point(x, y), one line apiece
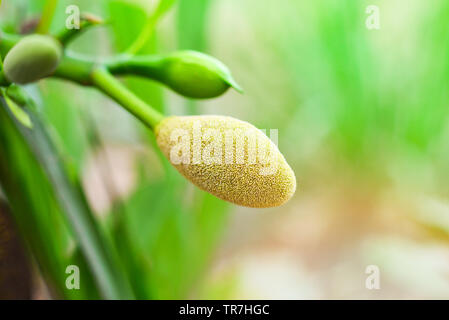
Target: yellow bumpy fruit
point(228, 158)
point(32, 58)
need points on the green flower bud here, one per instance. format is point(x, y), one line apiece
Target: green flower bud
point(32, 58)
point(208, 151)
point(189, 73)
point(197, 75)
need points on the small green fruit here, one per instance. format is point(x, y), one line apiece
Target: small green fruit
point(32, 58)
point(190, 73)
point(197, 75)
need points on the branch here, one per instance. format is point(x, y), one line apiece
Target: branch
point(212, 78)
point(87, 21)
point(113, 88)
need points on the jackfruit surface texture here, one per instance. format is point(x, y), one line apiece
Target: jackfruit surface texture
point(257, 184)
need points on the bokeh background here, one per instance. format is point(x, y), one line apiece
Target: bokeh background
point(363, 119)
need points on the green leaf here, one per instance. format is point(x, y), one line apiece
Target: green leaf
point(31, 170)
point(19, 113)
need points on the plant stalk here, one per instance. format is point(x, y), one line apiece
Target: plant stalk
point(87, 72)
point(108, 84)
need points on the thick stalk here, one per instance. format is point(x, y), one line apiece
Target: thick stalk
point(148, 66)
point(75, 70)
point(108, 84)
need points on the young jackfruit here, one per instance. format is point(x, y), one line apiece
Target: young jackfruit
point(190, 73)
point(228, 158)
point(32, 58)
point(197, 75)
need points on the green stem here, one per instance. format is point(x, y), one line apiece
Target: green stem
point(75, 69)
point(147, 66)
point(47, 16)
point(112, 87)
point(87, 72)
point(88, 21)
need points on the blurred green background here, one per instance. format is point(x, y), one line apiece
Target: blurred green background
point(363, 119)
